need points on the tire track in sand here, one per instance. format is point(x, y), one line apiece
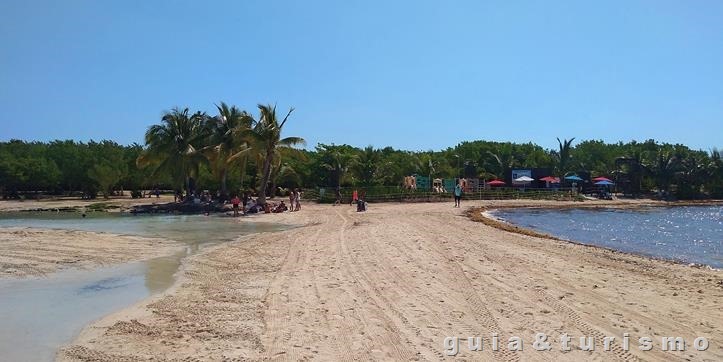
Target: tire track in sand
point(508, 262)
point(384, 309)
point(286, 340)
point(477, 302)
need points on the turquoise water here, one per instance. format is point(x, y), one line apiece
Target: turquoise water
point(38, 315)
point(686, 234)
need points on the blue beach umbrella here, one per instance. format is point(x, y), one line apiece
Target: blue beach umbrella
point(573, 178)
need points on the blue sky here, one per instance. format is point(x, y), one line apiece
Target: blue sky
point(415, 75)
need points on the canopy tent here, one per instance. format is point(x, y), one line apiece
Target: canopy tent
point(524, 179)
point(496, 183)
point(573, 178)
point(598, 179)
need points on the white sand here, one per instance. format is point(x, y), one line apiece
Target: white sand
point(392, 283)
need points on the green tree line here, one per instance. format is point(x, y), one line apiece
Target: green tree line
point(235, 150)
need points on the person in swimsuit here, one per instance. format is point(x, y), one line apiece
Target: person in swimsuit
point(354, 197)
point(297, 198)
point(235, 202)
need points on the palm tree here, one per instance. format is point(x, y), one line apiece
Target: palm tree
point(691, 175)
point(427, 166)
point(283, 173)
point(366, 166)
point(563, 156)
point(664, 169)
point(716, 163)
point(338, 160)
point(715, 174)
point(172, 146)
point(265, 136)
point(226, 142)
point(501, 164)
point(633, 168)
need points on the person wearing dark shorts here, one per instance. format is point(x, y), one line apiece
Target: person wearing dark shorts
point(458, 195)
point(338, 196)
point(245, 201)
point(235, 202)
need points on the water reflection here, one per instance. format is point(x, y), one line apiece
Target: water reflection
point(689, 234)
point(40, 314)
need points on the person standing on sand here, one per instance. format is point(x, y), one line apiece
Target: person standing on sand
point(458, 195)
point(245, 200)
point(235, 202)
point(297, 198)
point(292, 199)
point(354, 197)
point(338, 196)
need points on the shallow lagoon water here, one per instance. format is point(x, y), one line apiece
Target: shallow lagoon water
point(690, 234)
point(41, 314)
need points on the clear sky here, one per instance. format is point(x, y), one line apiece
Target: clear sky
point(415, 75)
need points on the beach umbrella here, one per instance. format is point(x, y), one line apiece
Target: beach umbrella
point(604, 183)
point(573, 178)
point(598, 179)
point(551, 179)
point(496, 183)
point(524, 179)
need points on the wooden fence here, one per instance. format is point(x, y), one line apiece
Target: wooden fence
point(397, 194)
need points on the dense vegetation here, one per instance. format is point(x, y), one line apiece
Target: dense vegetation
point(234, 151)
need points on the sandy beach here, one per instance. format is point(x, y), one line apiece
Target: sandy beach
point(65, 203)
point(30, 252)
point(544, 181)
point(394, 282)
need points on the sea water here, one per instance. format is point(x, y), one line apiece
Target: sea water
point(689, 234)
point(40, 314)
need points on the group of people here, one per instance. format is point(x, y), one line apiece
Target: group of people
point(248, 205)
point(294, 200)
point(196, 197)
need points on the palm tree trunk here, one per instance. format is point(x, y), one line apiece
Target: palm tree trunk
point(273, 188)
point(224, 190)
point(265, 178)
point(244, 165)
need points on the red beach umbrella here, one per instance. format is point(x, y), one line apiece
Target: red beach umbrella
point(598, 179)
point(496, 183)
point(550, 179)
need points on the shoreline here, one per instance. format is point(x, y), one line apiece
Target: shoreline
point(74, 204)
point(55, 249)
point(56, 281)
point(136, 310)
point(37, 252)
point(126, 318)
point(146, 329)
point(484, 215)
